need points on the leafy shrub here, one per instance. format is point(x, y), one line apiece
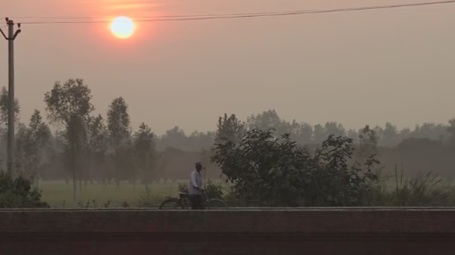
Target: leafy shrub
point(183, 187)
point(232, 199)
point(270, 171)
point(18, 193)
point(213, 190)
point(333, 179)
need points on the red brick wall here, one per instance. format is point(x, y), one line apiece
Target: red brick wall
point(274, 231)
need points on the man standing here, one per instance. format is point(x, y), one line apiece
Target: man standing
point(195, 188)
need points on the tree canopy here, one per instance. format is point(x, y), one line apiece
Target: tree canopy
point(277, 172)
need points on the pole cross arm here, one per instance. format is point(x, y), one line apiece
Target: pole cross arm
point(4, 35)
point(15, 34)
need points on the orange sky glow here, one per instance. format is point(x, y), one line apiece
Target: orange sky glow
point(108, 10)
point(355, 68)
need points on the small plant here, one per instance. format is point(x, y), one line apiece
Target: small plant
point(232, 199)
point(183, 187)
point(18, 193)
point(107, 204)
point(419, 191)
point(426, 190)
point(82, 204)
point(213, 190)
point(147, 199)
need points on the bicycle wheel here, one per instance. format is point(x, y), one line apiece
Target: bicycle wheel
point(171, 204)
point(215, 203)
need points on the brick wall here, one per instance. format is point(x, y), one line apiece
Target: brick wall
point(262, 231)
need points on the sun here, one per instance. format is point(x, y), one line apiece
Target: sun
point(122, 27)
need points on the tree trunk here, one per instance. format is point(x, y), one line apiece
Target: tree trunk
point(73, 168)
point(117, 171)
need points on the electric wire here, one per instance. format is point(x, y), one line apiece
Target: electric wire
point(80, 20)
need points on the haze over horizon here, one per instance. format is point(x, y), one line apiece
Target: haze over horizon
point(355, 68)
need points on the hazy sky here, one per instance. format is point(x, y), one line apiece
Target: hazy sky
point(355, 68)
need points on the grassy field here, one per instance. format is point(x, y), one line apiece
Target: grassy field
point(59, 194)
point(391, 191)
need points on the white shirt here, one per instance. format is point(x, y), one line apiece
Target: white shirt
point(195, 183)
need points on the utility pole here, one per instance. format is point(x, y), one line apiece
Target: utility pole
point(10, 38)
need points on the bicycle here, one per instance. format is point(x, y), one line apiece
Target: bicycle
point(183, 202)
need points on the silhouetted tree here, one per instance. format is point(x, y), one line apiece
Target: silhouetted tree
point(98, 146)
point(368, 142)
point(4, 106)
point(431, 131)
point(69, 104)
point(303, 134)
point(229, 129)
point(118, 125)
point(176, 138)
point(335, 129)
point(268, 120)
point(33, 145)
point(144, 147)
point(201, 141)
point(319, 134)
point(451, 132)
point(389, 135)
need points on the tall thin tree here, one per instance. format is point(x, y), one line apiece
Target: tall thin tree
point(118, 125)
point(70, 104)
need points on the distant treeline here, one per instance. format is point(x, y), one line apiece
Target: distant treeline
point(303, 133)
point(88, 147)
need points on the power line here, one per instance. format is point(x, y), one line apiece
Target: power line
point(93, 18)
point(237, 15)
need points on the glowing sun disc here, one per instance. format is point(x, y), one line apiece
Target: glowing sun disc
point(122, 27)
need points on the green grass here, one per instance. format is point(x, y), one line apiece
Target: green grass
point(392, 190)
point(59, 194)
point(423, 190)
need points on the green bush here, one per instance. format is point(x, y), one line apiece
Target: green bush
point(213, 190)
point(18, 193)
point(183, 187)
point(232, 199)
point(270, 170)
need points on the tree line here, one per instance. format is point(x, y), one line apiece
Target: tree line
point(303, 133)
point(88, 147)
